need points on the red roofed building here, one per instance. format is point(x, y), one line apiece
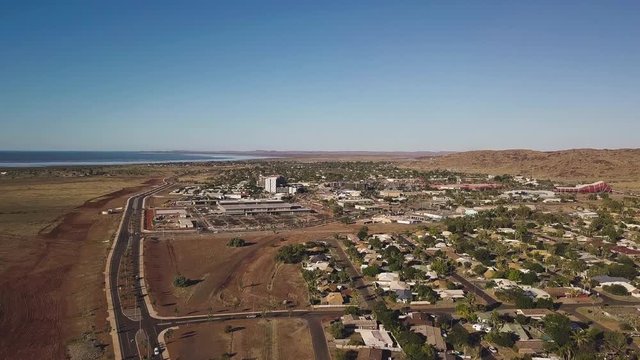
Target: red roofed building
point(596, 187)
point(625, 251)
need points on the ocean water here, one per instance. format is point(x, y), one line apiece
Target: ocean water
point(62, 158)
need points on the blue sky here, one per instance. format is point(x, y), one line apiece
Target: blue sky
point(319, 75)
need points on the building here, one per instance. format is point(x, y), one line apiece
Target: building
point(535, 314)
point(433, 335)
point(333, 298)
point(596, 187)
point(271, 183)
point(252, 207)
point(377, 339)
point(359, 322)
point(185, 223)
point(531, 347)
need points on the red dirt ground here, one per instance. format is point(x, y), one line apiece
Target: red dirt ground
point(242, 279)
point(250, 339)
point(54, 293)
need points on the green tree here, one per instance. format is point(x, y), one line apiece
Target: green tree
point(442, 267)
point(371, 270)
point(558, 327)
point(352, 310)
point(337, 330)
point(615, 341)
point(291, 254)
point(363, 233)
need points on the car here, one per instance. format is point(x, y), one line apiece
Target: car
point(493, 349)
point(156, 351)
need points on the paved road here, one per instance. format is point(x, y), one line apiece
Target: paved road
point(366, 295)
point(319, 341)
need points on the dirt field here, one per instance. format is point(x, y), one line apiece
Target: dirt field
point(52, 253)
point(228, 278)
point(249, 339)
point(246, 278)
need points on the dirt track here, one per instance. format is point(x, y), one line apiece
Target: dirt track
point(53, 294)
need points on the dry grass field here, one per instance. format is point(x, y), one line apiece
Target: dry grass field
point(29, 206)
point(53, 244)
point(249, 339)
point(246, 278)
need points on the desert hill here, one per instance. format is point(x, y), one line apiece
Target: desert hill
point(577, 165)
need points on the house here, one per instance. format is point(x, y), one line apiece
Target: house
point(516, 329)
point(568, 292)
point(530, 347)
point(623, 250)
point(403, 295)
point(433, 335)
point(377, 339)
point(359, 322)
point(384, 279)
point(535, 314)
point(535, 293)
point(319, 265)
point(371, 354)
point(505, 283)
point(333, 298)
point(451, 294)
point(609, 280)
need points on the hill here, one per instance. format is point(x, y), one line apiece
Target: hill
point(621, 166)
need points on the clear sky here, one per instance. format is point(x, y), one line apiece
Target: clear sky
point(319, 75)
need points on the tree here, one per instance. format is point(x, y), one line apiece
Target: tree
point(352, 310)
point(505, 339)
point(458, 336)
point(363, 233)
point(337, 330)
point(426, 293)
point(581, 338)
point(615, 341)
point(346, 355)
point(484, 256)
point(375, 243)
point(479, 269)
point(291, 254)
point(558, 327)
point(442, 266)
point(371, 270)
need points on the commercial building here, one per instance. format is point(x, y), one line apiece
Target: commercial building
point(260, 207)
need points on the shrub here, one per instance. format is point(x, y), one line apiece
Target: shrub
point(236, 242)
point(181, 281)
